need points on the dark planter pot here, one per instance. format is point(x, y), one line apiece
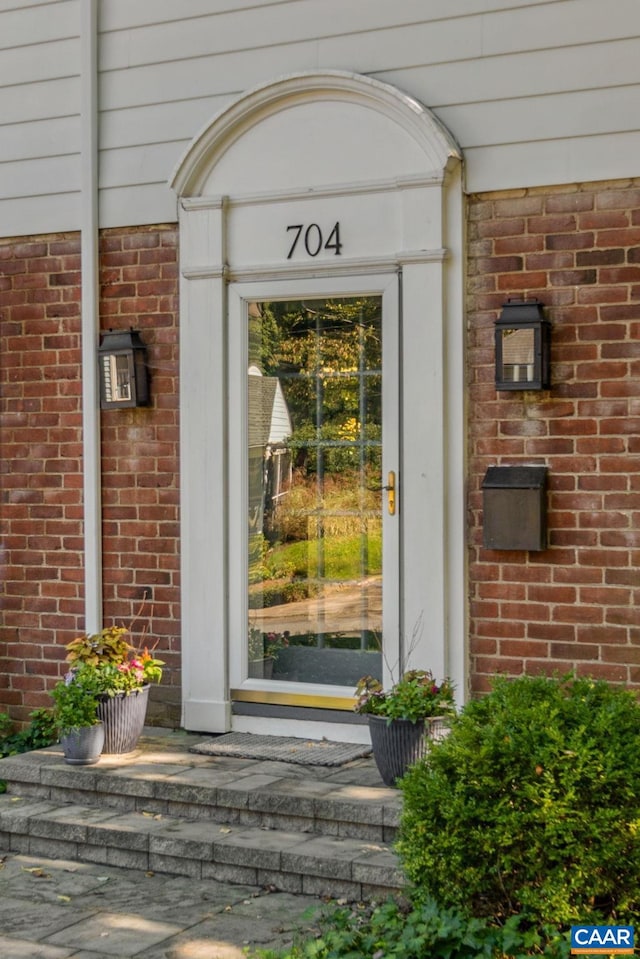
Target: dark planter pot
point(400, 743)
point(123, 717)
point(261, 668)
point(82, 746)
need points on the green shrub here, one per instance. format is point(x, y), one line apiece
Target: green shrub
point(532, 805)
point(275, 594)
point(427, 931)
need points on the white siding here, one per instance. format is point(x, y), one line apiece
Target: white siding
point(39, 116)
point(526, 88)
point(535, 93)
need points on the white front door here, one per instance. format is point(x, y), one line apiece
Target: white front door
point(313, 523)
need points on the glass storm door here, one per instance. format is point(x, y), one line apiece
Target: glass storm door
point(319, 456)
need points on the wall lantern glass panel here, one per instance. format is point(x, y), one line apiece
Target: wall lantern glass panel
point(522, 343)
point(124, 377)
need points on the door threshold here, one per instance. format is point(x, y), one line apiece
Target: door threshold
point(280, 698)
point(302, 729)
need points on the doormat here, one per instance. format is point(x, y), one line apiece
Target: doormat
point(282, 749)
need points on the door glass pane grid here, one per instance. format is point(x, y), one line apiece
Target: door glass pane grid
point(315, 453)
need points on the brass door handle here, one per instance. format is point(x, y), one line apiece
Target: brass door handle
point(391, 492)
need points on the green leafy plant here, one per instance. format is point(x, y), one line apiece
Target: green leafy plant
point(98, 649)
point(41, 730)
point(531, 805)
point(40, 733)
point(415, 696)
point(116, 663)
point(5, 725)
point(396, 930)
point(76, 699)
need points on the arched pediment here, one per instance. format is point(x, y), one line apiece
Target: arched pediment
point(311, 130)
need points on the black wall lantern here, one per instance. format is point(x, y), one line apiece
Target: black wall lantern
point(124, 378)
point(523, 346)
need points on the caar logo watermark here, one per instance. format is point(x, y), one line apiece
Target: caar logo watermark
point(608, 940)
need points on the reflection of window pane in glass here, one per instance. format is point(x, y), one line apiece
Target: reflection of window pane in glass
point(518, 355)
point(117, 378)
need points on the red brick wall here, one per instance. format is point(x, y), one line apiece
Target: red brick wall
point(41, 464)
point(140, 467)
point(574, 606)
point(42, 602)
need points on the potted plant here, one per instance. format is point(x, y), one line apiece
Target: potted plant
point(263, 651)
point(123, 677)
point(404, 719)
point(76, 718)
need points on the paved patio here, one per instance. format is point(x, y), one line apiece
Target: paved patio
point(166, 854)
point(61, 909)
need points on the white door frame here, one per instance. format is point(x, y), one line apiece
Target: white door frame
point(385, 286)
point(395, 188)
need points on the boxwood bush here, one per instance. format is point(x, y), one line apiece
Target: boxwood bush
point(531, 806)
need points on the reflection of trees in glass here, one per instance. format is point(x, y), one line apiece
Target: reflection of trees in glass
point(327, 356)
point(323, 539)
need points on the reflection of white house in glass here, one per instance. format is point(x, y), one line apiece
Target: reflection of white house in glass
point(270, 427)
point(518, 355)
point(117, 378)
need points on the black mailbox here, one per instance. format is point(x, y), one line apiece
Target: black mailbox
point(515, 507)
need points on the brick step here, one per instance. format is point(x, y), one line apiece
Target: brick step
point(143, 838)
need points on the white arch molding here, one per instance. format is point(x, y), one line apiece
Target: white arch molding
point(323, 147)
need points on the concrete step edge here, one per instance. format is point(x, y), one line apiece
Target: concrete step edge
point(366, 813)
point(291, 861)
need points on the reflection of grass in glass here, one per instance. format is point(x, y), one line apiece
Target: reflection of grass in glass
point(342, 505)
point(342, 529)
point(342, 557)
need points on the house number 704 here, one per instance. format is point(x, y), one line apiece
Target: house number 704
point(313, 240)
